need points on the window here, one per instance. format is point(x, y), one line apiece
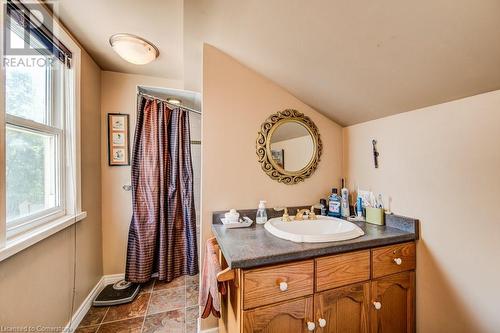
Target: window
point(41, 142)
point(34, 140)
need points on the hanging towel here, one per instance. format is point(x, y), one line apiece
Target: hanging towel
point(210, 287)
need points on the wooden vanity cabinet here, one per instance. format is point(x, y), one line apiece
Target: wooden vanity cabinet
point(344, 309)
point(263, 286)
point(368, 291)
point(290, 316)
point(393, 300)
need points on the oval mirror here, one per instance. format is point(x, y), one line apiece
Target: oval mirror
point(288, 146)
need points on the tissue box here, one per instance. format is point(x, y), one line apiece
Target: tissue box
point(375, 216)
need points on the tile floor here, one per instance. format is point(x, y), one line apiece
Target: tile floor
point(160, 307)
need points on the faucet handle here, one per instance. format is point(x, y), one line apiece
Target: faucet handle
point(285, 217)
point(312, 214)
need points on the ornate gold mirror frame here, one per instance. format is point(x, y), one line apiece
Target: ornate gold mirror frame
point(270, 167)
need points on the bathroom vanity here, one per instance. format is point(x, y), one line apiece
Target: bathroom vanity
point(366, 284)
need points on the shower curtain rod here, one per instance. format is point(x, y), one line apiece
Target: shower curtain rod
point(165, 101)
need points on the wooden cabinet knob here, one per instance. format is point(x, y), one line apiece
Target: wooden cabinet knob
point(377, 305)
point(283, 286)
point(311, 326)
point(398, 261)
point(322, 322)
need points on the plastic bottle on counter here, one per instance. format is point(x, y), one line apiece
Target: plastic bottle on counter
point(334, 204)
point(344, 195)
point(261, 217)
point(323, 204)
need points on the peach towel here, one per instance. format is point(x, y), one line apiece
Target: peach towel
point(210, 287)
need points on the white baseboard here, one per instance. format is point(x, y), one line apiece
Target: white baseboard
point(112, 278)
point(87, 302)
point(84, 307)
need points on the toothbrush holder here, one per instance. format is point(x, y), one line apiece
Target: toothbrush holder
point(375, 216)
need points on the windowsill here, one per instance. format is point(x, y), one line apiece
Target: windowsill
point(23, 241)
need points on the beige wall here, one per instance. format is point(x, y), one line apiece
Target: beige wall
point(236, 100)
point(119, 94)
point(441, 164)
point(36, 284)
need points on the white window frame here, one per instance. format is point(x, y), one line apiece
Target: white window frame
point(23, 224)
point(50, 222)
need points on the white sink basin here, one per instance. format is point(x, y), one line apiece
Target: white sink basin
point(324, 229)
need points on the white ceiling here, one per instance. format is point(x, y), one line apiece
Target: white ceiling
point(159, 21)
point(352, 60)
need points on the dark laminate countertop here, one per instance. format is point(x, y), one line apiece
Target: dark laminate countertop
point(255, 246)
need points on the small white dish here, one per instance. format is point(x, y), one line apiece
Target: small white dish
point(230, 225)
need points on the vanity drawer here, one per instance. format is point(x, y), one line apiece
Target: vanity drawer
point(342, 269)
point(393, 259)
point(268, 285)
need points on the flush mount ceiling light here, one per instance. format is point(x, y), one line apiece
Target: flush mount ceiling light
point(174, 101)
point(134, 49)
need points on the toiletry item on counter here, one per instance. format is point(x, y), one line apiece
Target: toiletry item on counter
point(261, 213)
point(359, 207)
point(232, 216)
point(344, 206)
point(322, 202)
point(366, 196)
point(334, 204)
point(232, 219)
point(375, 215)
point(380, 201)
point(242, 222)
point(370, 200)
point(373, 206)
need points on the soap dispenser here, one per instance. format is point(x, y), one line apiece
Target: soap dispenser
point(261, 217)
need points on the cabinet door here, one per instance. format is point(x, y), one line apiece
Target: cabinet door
point(393, 304)
point(291, 316)
point(343, 310)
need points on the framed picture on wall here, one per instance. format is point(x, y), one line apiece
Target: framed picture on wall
point(278, 155)
point(118, 141)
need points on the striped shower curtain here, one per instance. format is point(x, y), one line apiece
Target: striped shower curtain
point(162, 235)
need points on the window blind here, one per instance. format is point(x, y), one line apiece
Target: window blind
point(26, 25)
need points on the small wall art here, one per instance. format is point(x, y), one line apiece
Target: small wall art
point(118, 141)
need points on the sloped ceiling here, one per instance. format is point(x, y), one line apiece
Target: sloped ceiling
point(352, 60)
